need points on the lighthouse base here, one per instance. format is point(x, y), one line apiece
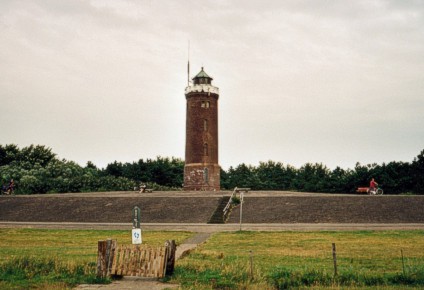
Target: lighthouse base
point(202, 176)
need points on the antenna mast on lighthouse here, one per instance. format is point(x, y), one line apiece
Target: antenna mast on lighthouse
point(188, 65)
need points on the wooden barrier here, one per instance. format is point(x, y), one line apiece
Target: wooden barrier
point(135, 260)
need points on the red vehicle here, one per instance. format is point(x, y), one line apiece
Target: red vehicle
point(368, 190)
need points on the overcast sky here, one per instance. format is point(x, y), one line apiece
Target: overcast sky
point(334, 82)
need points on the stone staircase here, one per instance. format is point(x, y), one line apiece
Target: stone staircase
point(218, 215)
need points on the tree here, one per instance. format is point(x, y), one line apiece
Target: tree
point(8, 153)
point(114, 169)
point(313, 178)
point(243, 176)
point(418, 173)
point(225, 179)
point(338, 181)
point(273, 176)
point(91, 165)
point(36, 154)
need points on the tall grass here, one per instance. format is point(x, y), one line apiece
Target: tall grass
point(284, 278)
point(28, 272)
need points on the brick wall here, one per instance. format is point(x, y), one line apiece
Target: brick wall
point(201, 142)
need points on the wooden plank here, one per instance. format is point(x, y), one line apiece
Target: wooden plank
point(143, 263)
point(131, 262)
point(101, 260)
point(115, 265)
point(162, 262)
point(115, 259)
point(155, 263)
point(148, 263)
point(122, 261)
point(127, 261)
point(118, 257)
point(138, 261)
point(111, 257)
point(162, 265)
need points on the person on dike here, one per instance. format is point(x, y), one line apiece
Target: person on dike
point(11, 187)
point(373, 186)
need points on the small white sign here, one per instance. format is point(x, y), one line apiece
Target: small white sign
point(136, 237)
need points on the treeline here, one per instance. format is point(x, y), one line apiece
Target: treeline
point(36, 169)
point(394, 177)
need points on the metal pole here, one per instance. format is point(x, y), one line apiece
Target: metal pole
point(241, 208)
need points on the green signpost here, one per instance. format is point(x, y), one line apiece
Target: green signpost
point(136, 217)
point(136, 230)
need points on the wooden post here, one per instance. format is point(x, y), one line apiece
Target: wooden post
point(105, 255)
point(251, 265)
point(101, 259)
point(335, 259)
point(170, 256)
point(403, 263)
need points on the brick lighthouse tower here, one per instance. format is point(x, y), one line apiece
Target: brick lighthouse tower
point(201, 170)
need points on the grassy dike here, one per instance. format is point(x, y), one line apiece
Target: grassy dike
point(60, 259)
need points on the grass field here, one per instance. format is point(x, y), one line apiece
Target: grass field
point(58, 259)
point(71, 245)
point(294, 259)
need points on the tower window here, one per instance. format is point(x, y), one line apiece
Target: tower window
point(205, 125)
point(205, 149)
point(205, 104)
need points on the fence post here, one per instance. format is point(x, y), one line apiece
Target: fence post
point(251, 265)
point(101, 259)
point(403, 263)
point(170, 257)
point(335, 259)
point(105, 255)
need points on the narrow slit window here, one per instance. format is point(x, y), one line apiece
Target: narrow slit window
point(205, 149)
point(205, 175)
point(205, 125)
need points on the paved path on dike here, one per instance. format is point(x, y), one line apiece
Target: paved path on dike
point(214, 228)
